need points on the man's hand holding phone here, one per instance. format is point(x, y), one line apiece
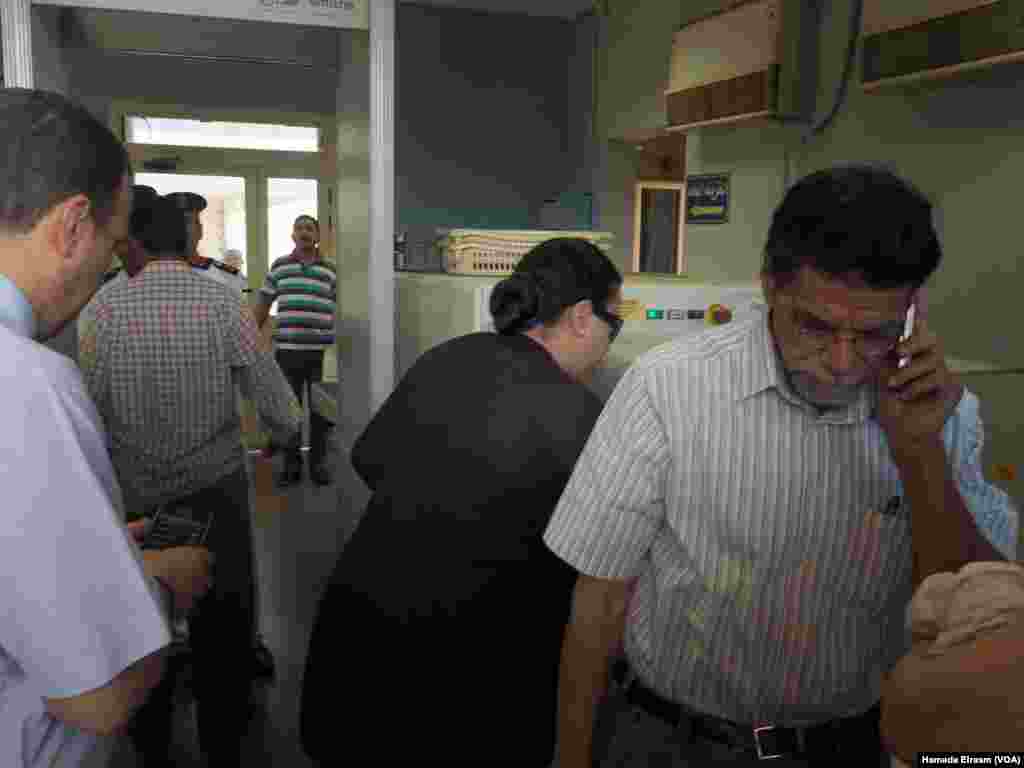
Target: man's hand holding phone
point(917, 392)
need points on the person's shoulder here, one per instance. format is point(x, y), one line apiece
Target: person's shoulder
point(201, 263)
point(282, 261)
point(35, 368)
point(213, 282)
point(227, 268)
point(328, 265)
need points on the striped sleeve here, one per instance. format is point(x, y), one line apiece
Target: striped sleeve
point(614, 503)
point(334, 279)
point(992, 509)
point(269, 287)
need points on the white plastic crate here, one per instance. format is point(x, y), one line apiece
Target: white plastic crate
point(497, 252)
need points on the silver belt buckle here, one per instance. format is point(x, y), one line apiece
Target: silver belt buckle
point(762, 754)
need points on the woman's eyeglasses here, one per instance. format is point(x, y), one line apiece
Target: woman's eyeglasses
point(614, 322)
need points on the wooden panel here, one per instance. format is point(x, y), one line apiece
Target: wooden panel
point(663, 158)
point(945, 72)
point(983, 33)
point(726, 46)
point(748, 95)
point(887, 15)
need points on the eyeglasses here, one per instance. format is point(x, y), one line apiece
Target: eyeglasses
point(614, 322)
point(870, 345)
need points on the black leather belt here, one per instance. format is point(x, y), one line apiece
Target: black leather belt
point(766, 742)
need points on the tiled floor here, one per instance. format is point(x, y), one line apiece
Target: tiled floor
point(297, 536)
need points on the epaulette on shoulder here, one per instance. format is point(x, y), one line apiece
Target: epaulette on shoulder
point(226, 267)
point(200, 263)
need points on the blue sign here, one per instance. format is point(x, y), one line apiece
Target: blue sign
point(707, 199)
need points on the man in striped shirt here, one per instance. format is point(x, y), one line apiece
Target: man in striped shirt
point(306, 289)
point(741, 515)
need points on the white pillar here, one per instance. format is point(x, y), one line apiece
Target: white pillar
point(16, 22)
point(382, 200)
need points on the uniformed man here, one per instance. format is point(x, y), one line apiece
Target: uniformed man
point(192, 205)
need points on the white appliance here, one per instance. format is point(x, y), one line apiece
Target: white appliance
point(432, 308)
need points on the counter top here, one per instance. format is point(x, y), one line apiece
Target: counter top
point(960, 365)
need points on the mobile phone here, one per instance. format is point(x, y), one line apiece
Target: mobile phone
point(908, 330)
point(177, 528)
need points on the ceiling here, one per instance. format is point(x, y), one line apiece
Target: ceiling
point(566, 9)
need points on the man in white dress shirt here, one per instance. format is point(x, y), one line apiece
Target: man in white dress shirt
point(742, 512)
point(85, 612)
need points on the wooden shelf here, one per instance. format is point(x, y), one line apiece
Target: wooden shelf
point(765, 115)
point(944, 73)
point(917, 41)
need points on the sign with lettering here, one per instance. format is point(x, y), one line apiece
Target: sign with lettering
point(347, 14)
point(707, 199)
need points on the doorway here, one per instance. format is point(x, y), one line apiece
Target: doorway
point(254, 169)
point(257, 172)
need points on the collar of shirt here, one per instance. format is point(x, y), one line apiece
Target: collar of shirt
point(315, 259)
point(763, 370)
point(164, 265)
point(15, 311)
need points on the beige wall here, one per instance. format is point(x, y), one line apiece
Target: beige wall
point(960, 140)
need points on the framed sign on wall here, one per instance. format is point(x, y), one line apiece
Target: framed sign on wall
point(707, 198)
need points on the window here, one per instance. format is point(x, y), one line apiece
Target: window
point(223, 135)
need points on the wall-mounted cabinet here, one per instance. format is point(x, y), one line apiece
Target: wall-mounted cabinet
point(926, 39)
point(757, 59)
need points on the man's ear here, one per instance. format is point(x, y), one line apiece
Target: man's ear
point(580, 313)
point(66, 224)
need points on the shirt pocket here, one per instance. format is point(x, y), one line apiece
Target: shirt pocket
point(877, 555)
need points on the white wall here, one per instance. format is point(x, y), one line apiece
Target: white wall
point(50, 71)
point(50, 67)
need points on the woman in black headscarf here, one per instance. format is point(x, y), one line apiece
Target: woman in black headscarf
point(439, 634)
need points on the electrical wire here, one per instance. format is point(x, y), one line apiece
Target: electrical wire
point(856, 12)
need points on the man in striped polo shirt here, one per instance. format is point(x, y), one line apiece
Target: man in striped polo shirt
point(755, 504)
point(306, 289)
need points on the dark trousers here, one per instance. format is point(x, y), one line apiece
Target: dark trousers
point(302, 368)
point(220, 634)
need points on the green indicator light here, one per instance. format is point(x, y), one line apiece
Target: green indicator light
point(655, 314)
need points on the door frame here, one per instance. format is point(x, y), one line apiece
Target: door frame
point(256, 166)
point(679, 262)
